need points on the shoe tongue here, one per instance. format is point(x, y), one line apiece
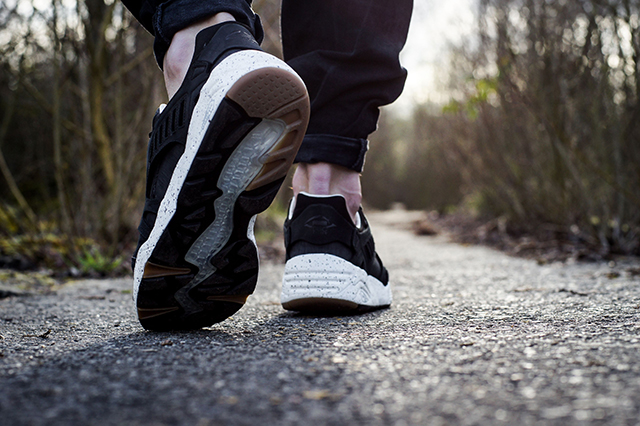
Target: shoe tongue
point(337, 201)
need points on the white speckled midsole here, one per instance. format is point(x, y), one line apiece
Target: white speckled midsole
point(327, 276)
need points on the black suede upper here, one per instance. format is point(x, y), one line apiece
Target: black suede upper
point(323, 225)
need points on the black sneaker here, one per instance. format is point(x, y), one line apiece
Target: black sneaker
point(332, 265)
point(218, 154)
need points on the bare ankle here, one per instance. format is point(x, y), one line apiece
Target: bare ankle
point(329, 179)
point(178, 57)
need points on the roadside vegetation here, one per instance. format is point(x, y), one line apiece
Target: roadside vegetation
point(78, 89)
point(542, 134)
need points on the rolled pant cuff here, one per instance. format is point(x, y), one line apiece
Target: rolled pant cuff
point(338, 150)
point(175, 15)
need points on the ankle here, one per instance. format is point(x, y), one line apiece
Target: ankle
point(178, 57)
point(329, 179)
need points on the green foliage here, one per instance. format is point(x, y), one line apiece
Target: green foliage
point(471, 105)
point(92, 261)
point(42, 245)
point(53, 251)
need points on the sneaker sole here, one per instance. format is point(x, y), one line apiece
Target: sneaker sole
point(268, 108)
point(324, 283)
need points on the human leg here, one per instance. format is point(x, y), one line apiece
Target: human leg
point(164, 18)
point(218, 153)
point(347, 53)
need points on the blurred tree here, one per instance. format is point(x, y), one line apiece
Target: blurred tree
point(544, 129)
point(410, 163)
point(74, 136)
point(552, 104)
point(78, 88)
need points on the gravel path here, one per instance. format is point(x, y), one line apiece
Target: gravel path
point(473, 337)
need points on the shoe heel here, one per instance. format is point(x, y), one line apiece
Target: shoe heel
point(275, 94)
point(325, 283)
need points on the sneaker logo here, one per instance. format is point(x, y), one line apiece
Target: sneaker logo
point(237, 35)
point(319, 224)
point(233, 35)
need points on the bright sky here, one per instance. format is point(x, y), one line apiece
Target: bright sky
point(434, 25)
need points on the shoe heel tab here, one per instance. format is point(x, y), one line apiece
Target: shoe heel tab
point(222, 37)
point(224, 28)
point(304, 200)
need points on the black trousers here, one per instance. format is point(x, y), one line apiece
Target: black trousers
point(346, 51)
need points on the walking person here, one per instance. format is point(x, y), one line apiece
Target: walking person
point(237, 118)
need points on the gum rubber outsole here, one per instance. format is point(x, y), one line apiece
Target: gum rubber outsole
point(324, 306)
point(217, 199)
